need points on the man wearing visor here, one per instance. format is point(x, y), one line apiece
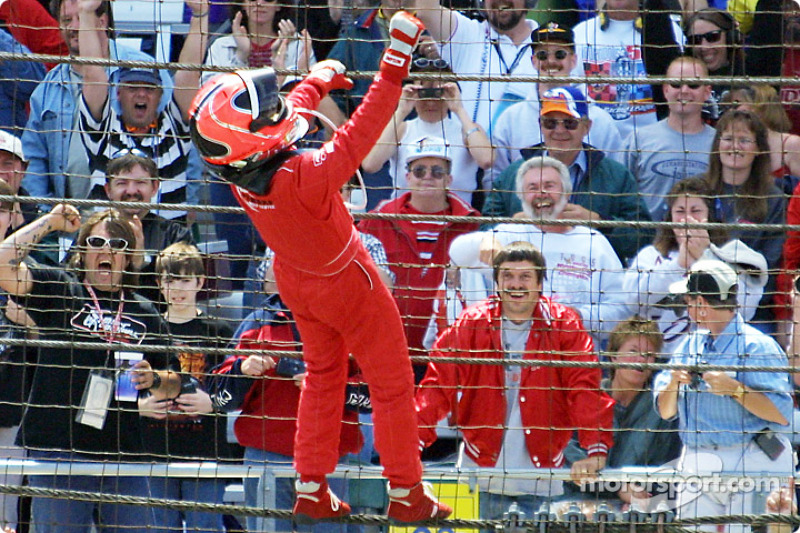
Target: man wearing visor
point(323, 272)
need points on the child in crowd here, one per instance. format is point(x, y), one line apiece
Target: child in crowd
point(186, 426)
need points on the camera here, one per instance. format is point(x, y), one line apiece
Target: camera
point(289, 367)
point(430, 92)
point(189, 385)
point(697, 375)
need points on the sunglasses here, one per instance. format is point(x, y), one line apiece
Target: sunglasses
point(560, 55)
point(570, 124)
point(438, 64)
point(115, 243)
point(689, 85)
point(710, 37)
point(129, 151)
point(420, 171)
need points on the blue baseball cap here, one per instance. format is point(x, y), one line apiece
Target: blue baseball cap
point(569, 100)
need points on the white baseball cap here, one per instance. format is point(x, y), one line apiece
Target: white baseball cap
point(11, 144)
point(429, 147)
point(707, 277)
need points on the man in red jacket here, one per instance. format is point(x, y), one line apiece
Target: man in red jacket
point(245, 132)
point(417, 251)
point(513, 416)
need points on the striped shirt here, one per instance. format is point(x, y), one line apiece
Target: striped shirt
point(707, 419)
point(168, 144)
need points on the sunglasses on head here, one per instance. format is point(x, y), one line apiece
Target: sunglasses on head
point(689, 85)
point(420, 171)
point(710, 37)
point(115, 243)
point(560, 55)
point(424, 62)
point(570, 124)
point(129, 151)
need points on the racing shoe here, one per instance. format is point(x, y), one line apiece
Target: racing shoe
point(417, 504)
point(315, 502)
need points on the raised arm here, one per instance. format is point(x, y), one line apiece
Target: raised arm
point(438, 20)
point(15, 278)
point(394, 131)
point(194, 49)
point(95, 77)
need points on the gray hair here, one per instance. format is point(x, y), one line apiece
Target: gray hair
point(543, 162)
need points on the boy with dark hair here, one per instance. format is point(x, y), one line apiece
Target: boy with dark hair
point(185, 426)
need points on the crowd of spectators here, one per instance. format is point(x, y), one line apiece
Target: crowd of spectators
point(579, 275)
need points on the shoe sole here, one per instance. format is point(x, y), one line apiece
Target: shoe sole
point(306, 520)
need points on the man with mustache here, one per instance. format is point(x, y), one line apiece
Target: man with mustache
point(513, 416)
point(498, 46)
point(132, 177)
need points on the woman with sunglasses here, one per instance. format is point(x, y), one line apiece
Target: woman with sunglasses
point(91, 301)
point(440, 113)
point(713, 35)
point(675, 250)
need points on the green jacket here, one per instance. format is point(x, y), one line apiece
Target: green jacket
point(607, 188)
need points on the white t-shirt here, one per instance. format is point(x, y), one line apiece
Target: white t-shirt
point(616, 52)
point(476, 49)
point(464, 167)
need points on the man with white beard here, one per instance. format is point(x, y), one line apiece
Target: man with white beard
point(583, 271)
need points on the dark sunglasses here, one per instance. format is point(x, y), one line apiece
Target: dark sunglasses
point(129, 151)
point(115, 243)
point(424, 62)
point(430, 92)
point(710, 37)
point(420, 171)
point(570, 124)
point(689, 85)
point(560, 55)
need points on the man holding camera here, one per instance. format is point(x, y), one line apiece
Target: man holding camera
point(730, 421)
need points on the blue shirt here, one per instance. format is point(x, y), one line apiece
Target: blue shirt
point(707, 419)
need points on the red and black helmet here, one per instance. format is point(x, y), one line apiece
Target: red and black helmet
point(233, 135)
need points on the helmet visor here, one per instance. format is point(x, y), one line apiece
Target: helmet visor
point(266, 105)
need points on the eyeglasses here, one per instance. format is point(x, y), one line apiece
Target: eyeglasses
point(692, 86)
point(129, 151)
point(570, 124)
point(420, 171)
point(710, 37)
point(743, 141)
point(115, 243)
point(560, 55)
point(438, 64)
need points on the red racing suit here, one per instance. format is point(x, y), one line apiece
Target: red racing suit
point(326, 277)
point(418, 264)
point(553, 401)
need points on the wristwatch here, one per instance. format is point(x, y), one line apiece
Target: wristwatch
point(738, 394)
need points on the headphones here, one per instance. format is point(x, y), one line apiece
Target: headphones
point(721, 18)
point(605, 20)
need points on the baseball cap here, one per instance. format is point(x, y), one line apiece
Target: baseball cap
point(429, 147)
point(11, 144)
point(139, 75)
point(707, 277)
point(569, 100)
point(552, 33)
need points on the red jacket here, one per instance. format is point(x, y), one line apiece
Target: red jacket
point(303, 217)
point(269, 407)
point(418, 276)
point(553, 401)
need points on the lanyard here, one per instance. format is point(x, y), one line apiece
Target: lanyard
point(517, 59)
point(100, 312)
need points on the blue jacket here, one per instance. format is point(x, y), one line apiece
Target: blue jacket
point(608, 188)
point(47, 136)
point(359, 48)
point(18, 79)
